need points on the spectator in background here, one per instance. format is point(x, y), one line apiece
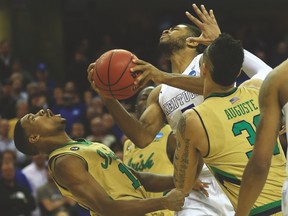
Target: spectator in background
point(42, 75)
point(38, 101)
point(14, 199)
point(17, 67)
point(5, 60)
point(78, 130)
point(7, 101)
point(51, 200)
point(21, 110)
point(18, 87)
point(57, 100)
point(73, 110)
point(111, 128)
point(36, 175)
point(9, 156)
point(280, 54)
point(32, 89)
point(76, 70)
point(7, 143)
point(99, 134)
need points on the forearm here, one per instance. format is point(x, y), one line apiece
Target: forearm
point(188, 83)
point(255, 67)
point(102, 204)
point(154, 182)
point(128, 123)
point(134, 207)
point(253, 181)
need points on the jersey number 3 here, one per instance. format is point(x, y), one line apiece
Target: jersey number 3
point(243, 125)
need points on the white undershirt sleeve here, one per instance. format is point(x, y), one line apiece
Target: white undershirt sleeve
point(254, 67)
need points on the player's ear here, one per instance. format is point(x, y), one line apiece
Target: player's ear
point(191, 43)
point(34, 138)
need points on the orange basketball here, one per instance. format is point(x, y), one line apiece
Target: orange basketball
point(112, 74)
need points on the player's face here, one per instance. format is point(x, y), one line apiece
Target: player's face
point(142, 101)
point(173, 33)
point(173, 39)
point(43, 123)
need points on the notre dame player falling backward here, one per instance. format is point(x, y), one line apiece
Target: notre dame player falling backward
point(90, 173)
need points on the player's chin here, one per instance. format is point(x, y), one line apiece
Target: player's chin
point(63, 121)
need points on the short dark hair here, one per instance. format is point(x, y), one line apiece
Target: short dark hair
point(196, 32)
point(226, 57)
point(21, 140)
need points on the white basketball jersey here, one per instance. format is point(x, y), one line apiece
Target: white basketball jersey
point(174, 101)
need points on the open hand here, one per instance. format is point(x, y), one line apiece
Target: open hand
point(207, 24)
point(148, 72)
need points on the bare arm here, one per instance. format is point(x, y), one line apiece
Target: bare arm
point(187, 158)
point(88, 191)
point(143, 131)
point(155, 182)
point(149, 72)
point(257, 169)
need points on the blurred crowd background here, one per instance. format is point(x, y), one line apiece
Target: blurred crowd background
point(46, 47)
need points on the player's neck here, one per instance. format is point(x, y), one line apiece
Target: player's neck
point(212, 87)
point(52, 143)
point(180, 60)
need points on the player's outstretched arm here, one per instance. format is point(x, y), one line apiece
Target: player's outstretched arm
point(207, 24)
point(149, 72)
point(254, 67)
point(257, 169)
point(143, 131)
point(88, 192)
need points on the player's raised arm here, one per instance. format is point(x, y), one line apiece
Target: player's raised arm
point(140, 131)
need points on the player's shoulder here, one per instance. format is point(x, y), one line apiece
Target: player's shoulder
point(252, 83)
point(154, 95)
point(190, 117)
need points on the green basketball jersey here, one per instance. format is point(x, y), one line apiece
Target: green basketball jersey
point(109, 171)
point(230, 122)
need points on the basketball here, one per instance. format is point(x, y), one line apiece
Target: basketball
point(112, 74)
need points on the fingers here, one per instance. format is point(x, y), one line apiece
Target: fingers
point(90, 75)
point(90, 67)
point(195, 39)
point(200, 13)
point(139, 61)
point(141, 81)
point(193, 19)
point(211, 12)
point(205, 13)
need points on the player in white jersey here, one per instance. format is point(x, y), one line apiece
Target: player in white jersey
point(273, 101)
point(166, 102)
